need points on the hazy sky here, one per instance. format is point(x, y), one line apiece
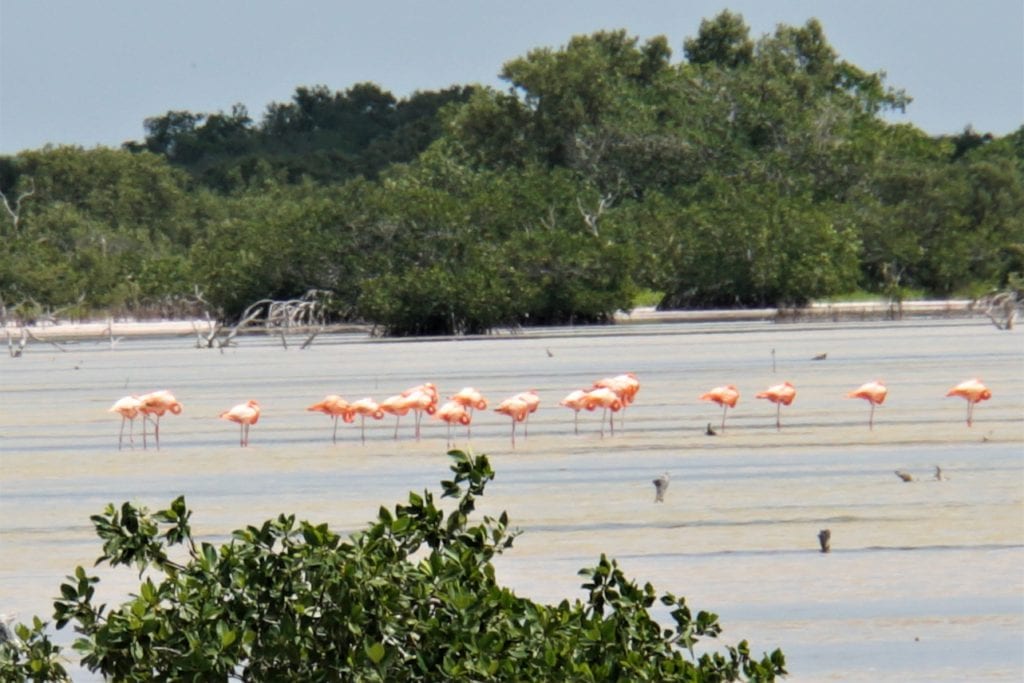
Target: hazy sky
point(88, 73)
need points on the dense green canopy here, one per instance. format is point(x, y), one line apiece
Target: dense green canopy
point(754, 172)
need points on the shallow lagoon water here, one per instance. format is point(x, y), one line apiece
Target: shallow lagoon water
point(925, 580)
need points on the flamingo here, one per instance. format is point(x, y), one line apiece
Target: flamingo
point(608, 400)
point(517, 408)
point(364, 407)
point(128, 409)
point(157, 403)
point(245, 414)
point(471, 400)
point(332, 405)
point(532, 401)
point(453, 412)
point(872, 392)
point(625, 387)
point(781, 395)
point(397, 405)
point(422, 399)
point(725, 396)
point(576, 400)
point(972, 391)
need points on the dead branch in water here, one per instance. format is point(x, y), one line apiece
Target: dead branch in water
point(1001, 307)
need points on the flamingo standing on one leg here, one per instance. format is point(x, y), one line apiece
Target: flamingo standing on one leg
point(725, 396)
point(576, 400)
point(364, 407)
point(453, 412)
point(874, 393)
point(781, 395)
point(157, 403)
point(471, 400)
point(245, 414)
point(128, 409)
point(516, 408)
point(397, 405)
point(532, 401)
point(332, 405)
point(972, 391)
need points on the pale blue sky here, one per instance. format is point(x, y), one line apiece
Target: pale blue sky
point(89, 72)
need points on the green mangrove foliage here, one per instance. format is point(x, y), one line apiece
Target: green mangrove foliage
point(412, 597)
point(753, 172)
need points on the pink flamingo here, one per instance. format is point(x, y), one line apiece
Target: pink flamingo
point(607, 399)
point(972, 391)
point(726, 396)
point(332, 405)
point(575, 400)
point(128, 409)
point(781, 395)
point(516, 408)
point(453, 412)
point(872, 392)
point(245, 414)
point(364, 407)
point(470, 399)
point(157, 403)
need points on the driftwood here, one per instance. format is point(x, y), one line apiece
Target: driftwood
point(1001, 307)
point(281, 318)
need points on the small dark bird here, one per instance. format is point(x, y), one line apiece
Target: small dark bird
point(905, 476)
point(710, 431)
point(660, 486)
point(550, 355)
point(938, 473)
point(820, 356)
point(825, 539)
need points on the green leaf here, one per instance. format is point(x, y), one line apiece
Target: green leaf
point(375, 652)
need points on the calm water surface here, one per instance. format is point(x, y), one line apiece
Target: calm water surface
point(925, 581)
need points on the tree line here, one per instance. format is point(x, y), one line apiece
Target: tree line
point(752, 172)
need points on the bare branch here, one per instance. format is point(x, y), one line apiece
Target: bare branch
point(15, 213)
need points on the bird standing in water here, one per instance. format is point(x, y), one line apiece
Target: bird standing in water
point(972, 391)
point(874, 393)
point(781, 395)
point(660, 486)
point(245, 414)
point(725, 396)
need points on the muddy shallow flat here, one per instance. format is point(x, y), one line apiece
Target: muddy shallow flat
point(924, 581)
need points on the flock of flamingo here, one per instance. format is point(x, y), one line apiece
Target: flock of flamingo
point(611, 394)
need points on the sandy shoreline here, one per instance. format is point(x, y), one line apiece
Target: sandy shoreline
point(869, 310)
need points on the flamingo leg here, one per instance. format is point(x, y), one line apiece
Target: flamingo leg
point(419, 416)
point(871, 419)
point(604, 414)
point(513, 432)
point(397, 418)
point(778, 417)
point(144, 444)
point(362, 428)
point(334, 439)
point(970, 413)
point(120, 437)
point(611, 422)
point(724, 408)
point(576, 423)
point(156, 432)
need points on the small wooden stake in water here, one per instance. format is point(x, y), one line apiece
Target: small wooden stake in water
point(825, 538)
